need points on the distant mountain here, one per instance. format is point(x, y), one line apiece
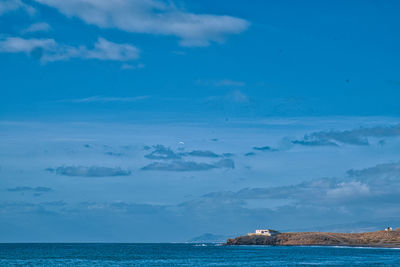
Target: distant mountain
point(209, 238)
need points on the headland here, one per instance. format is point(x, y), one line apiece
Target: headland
point(384, 238)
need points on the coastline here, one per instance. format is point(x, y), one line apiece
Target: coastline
point(378, 239)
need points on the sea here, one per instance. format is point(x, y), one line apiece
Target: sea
point(74, 254)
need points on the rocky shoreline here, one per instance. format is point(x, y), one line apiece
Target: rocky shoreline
point(368, 239)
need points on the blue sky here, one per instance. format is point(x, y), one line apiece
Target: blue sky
point(196, 116)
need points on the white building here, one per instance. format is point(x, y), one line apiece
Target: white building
point(266, 232)
point(263, 232)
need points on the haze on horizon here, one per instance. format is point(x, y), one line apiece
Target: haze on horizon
point(159, 121)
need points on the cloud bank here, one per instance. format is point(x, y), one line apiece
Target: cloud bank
point(48, 50)
point(183, 166)
point(162, 152)
point(166, 153)
point(14, 5)
point(39, 189)
point(370, 194)
point(375, 187)
point(353, 137)
point(264, 148)
point(37, 27)
point(152, 17)
point(89, 171)
point(202, 153)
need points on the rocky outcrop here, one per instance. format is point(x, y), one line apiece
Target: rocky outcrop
point(370, 239)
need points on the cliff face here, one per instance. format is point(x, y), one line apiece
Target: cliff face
point(373, 239)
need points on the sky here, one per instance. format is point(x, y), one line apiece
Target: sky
point(160, 121)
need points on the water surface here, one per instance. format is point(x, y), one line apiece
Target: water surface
point(190, 255)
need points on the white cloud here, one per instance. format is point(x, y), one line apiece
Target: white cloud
point(48, 50)
point(93, 171)
point(152, 17)
point(106, 50)
point(17, 45)
point(348, 189)
point(37, 27)
point(357, 136)
point(13, 5)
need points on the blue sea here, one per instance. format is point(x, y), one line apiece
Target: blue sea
point(191, 255)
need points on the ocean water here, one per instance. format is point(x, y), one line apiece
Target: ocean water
point(191, 255)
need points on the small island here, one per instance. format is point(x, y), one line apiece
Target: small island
point(385, 238)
